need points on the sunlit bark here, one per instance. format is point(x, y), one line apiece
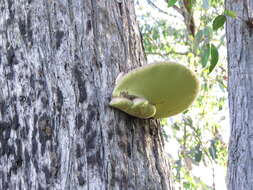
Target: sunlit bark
point(240, 65)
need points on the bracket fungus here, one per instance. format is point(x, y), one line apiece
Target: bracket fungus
point(156, 90)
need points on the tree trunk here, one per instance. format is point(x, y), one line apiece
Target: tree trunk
point(240, 57)
point(58, 64)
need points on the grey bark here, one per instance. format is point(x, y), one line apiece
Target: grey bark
point(58, 63)
point(240, 58)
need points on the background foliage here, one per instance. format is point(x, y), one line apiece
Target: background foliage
point(191, 32)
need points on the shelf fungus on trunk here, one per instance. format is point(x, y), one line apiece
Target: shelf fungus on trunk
point(156, 90)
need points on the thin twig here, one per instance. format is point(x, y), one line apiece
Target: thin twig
point(166, 54)
point(180, 11)
point(159, 9)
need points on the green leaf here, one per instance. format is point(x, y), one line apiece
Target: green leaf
point(176, 127)
point(204, 55)
point(186, 185)
point(199, 35)
point(213, 150)
point(155, 34)
point(230, 13)
point(197, 40)
point(171, 3)
point(214, 58)
point(198, 154)
point(219, 22)
point(207, 31)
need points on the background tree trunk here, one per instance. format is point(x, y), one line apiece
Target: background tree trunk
point(240, 58)
point(58, 63)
